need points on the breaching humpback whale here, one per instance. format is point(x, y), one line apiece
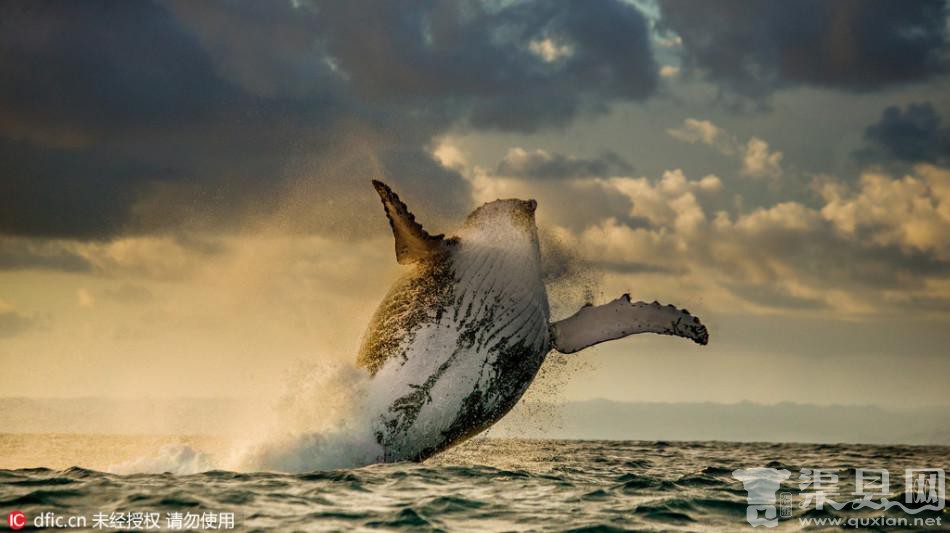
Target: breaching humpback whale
point(458, 339)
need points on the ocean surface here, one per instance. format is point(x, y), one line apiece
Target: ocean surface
point(487, 484)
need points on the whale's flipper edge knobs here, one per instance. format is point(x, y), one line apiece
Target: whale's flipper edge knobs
point(620, 318)
point(413, 243)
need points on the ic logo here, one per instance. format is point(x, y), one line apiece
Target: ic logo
point(16, 519)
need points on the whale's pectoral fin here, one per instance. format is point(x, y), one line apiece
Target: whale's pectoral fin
point(412, 241)
point(621, 317)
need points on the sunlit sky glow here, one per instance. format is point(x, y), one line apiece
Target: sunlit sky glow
point(185, 207)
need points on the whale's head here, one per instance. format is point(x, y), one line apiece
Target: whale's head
point(511, 216)
point(509, 226)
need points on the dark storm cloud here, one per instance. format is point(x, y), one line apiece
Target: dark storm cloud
point(99, 102)
point(102, 67)
point(49, 191)
point(912, 135)
point(489, 64)
point(131, 117)
point(539, 164)
point(756, 46)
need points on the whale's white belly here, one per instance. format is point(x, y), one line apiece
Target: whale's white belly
point(468, 362)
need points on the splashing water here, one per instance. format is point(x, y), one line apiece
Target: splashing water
point(321, 422)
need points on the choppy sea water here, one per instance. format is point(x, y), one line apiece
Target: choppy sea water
point(493, 485)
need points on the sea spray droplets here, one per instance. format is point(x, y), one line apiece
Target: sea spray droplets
point(319, 422)
point(571, 280)
point(172, 458)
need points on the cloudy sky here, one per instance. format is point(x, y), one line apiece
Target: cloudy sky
point(185, 207)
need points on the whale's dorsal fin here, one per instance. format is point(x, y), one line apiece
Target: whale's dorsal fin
point(412, 241)
point(621, 317)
